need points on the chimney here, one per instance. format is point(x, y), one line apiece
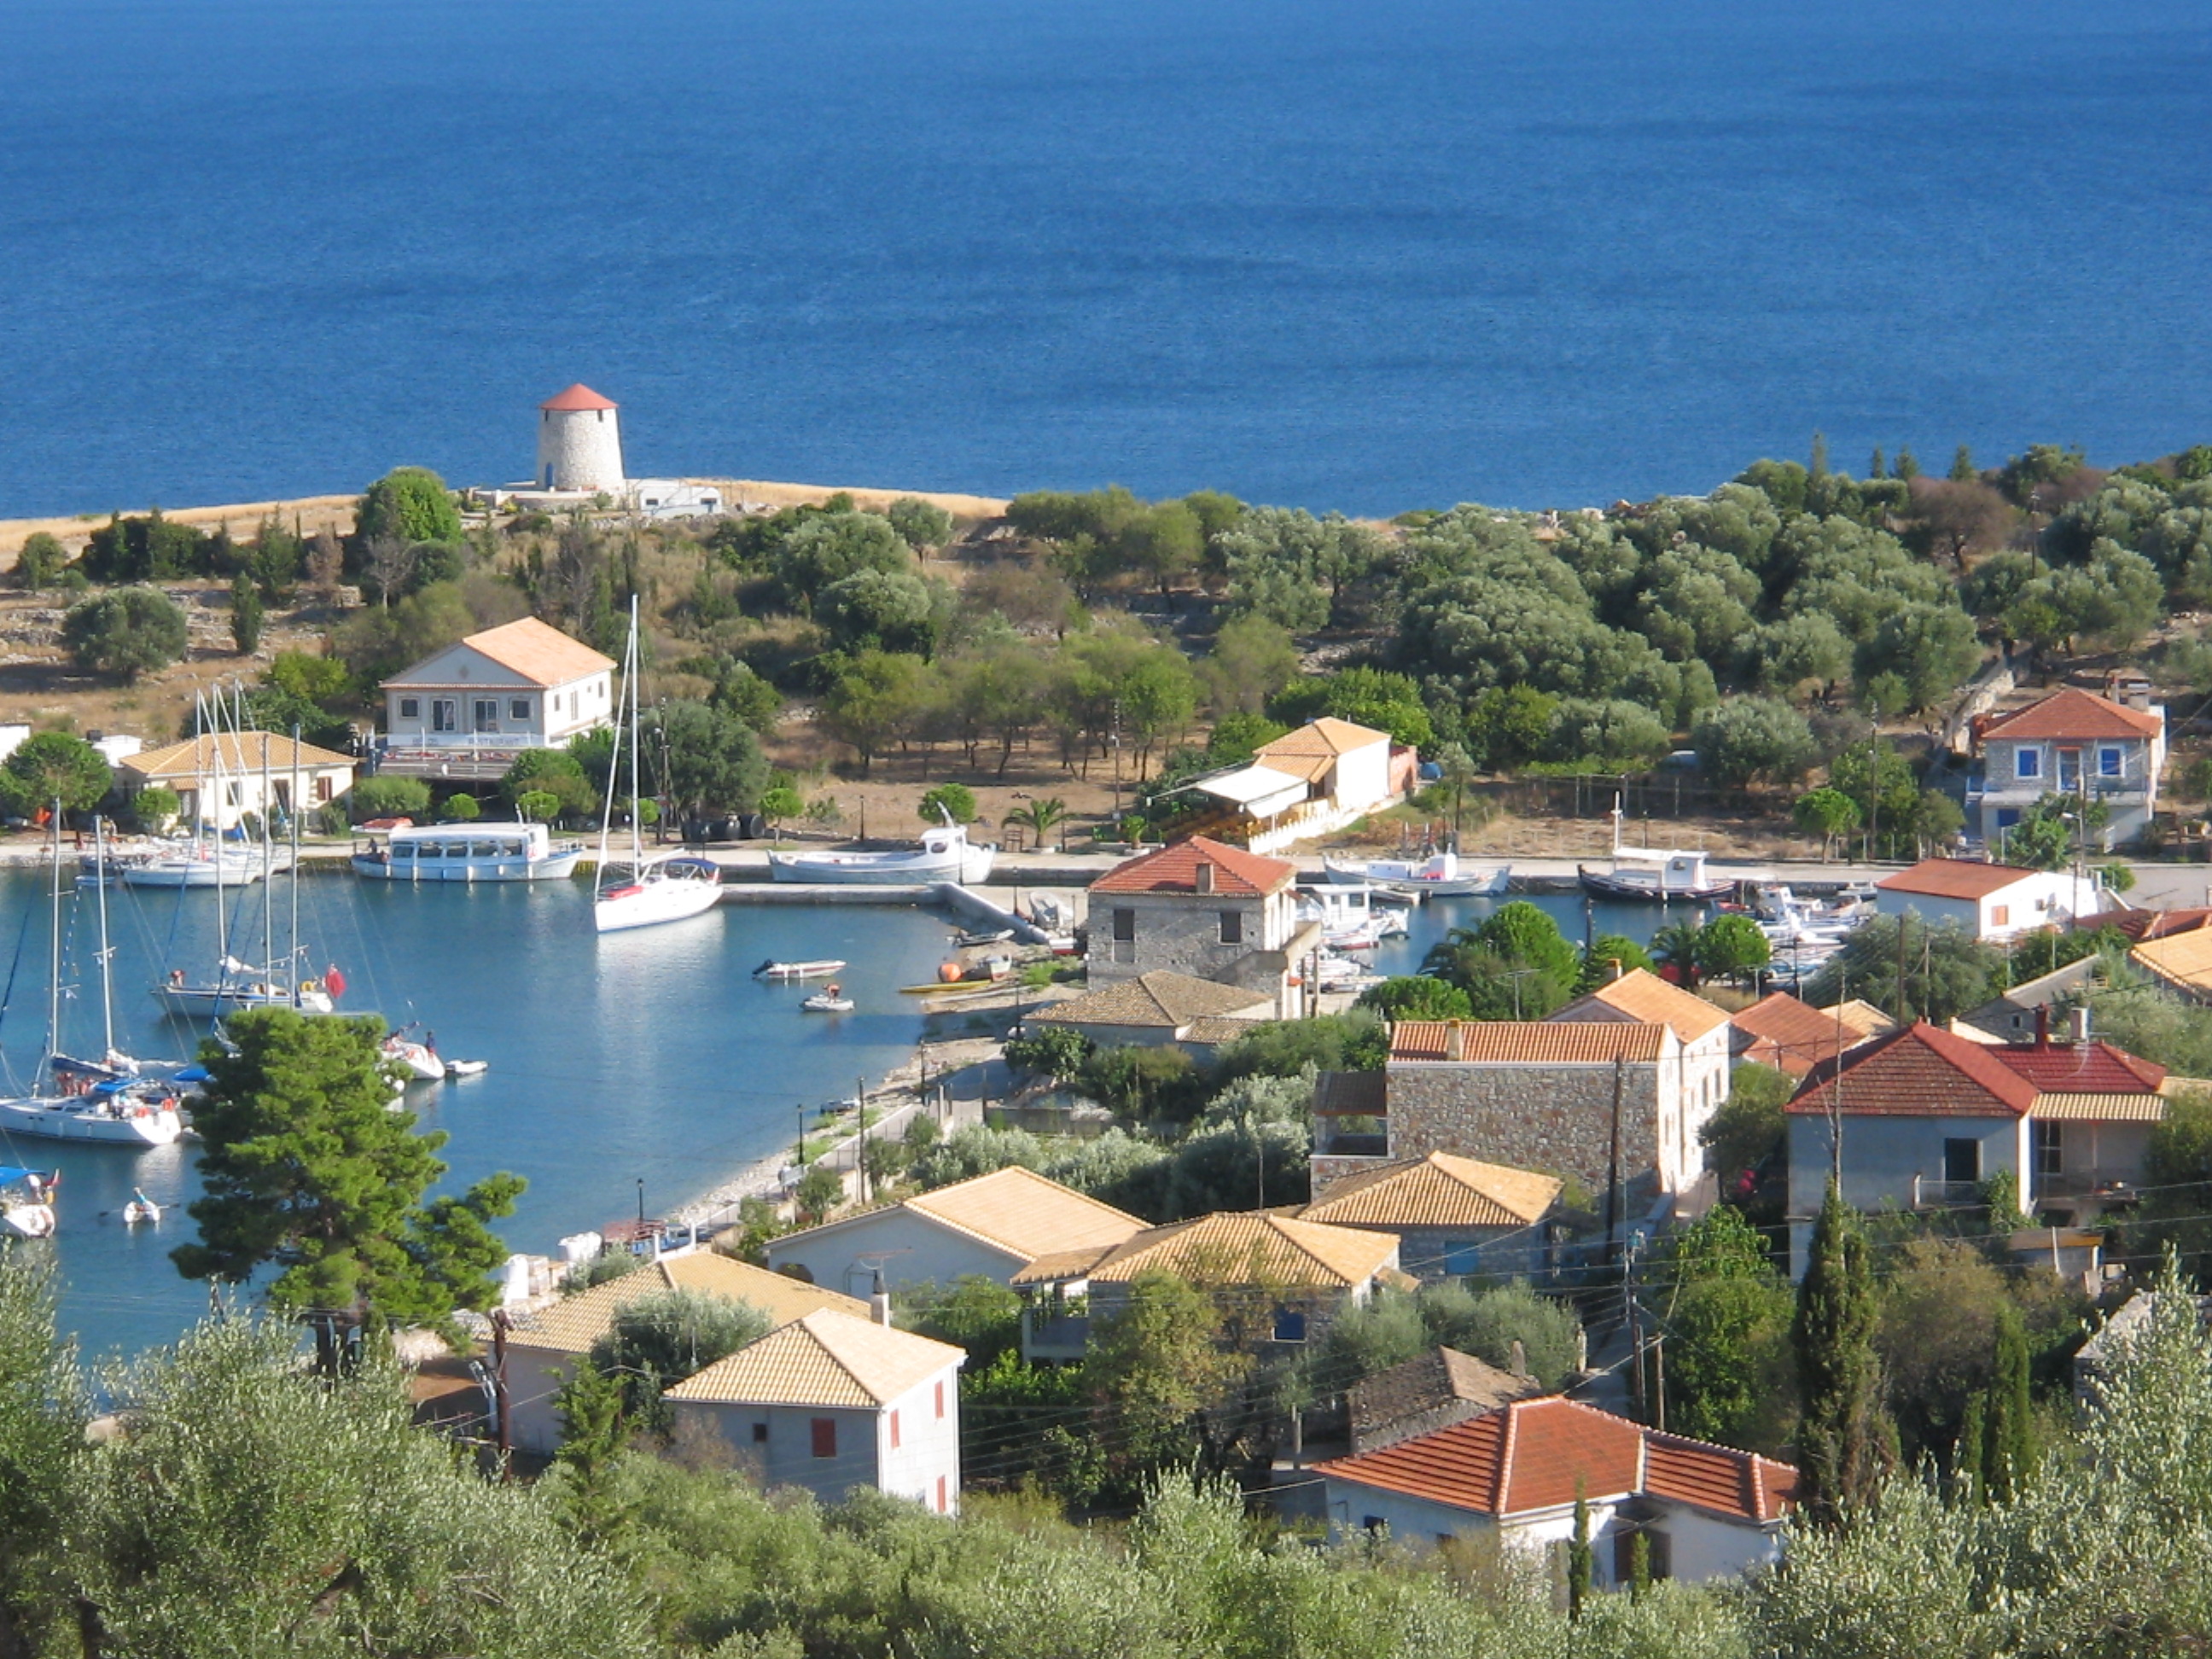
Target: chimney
point(2043, 1026)
point(1618, 972)
point(1454, 1039)
point(1517, 1359)
point(879, 1300)
point(2080, 1020)
point(1203, 876)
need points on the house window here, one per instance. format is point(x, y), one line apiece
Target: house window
point(517, 709)
point(1373, 1523)
point(487, 714)
point(1962, 1160)
point(2108, 762)
point(1232, 927)
point(2050, 1149)
point(1125, 925)
point(1461, 1255)
point(895, 1431)
point(1659, 1554)
point(1290, 1325)
point(825, 1437)
point(444, 714)
point(2027, 763)
point(760, 1434)
point(411, 709)
point(323, 788)
point(940, 1400)
point(2000, 916)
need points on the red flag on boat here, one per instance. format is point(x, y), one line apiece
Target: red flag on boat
point(334, 982)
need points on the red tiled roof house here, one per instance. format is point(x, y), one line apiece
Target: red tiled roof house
point(1706, 1511)
point(1203, 908)
point(1926, 1117)
point(471, 710)
point(1992, 902)
point(2072, 742)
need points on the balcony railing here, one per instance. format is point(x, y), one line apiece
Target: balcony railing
point(1050, 1336)
point(1944, 1194)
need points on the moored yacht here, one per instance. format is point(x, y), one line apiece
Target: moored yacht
point(648, 888)
point(946, 854)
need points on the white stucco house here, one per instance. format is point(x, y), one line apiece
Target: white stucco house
point(993, 1225)
point(471, 710)
point(1992, 902)
point(1702, 1062)
point(1321, 777)
point(1704, 1511)
point(2072, 743)
point(219, 779)
point(545, 1346)
point(830, 1403)
point(1924, 1117)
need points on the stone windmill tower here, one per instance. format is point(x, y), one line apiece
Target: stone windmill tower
point(578, 443)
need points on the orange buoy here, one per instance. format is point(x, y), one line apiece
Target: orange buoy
point(950, 973)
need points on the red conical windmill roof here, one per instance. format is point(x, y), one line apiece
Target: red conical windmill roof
point(578, 396)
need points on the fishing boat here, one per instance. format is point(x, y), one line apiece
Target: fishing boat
point(1652, 874)
point(982, 936)
point(946, 854)
point(140, 1209)
point(1440, 875)
point(819, 968)
point(472, 852)
point(829, 1000)
point(27, 1202)
point(649, 889)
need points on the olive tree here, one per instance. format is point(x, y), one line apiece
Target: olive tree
point(127, 633)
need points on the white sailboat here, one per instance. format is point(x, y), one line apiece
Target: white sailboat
point(648, 889)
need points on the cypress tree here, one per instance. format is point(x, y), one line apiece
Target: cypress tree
point(1963, 470)
point(1841, 1437)
point(1581, 1563)
point(1971, 1453)
point(1907, 468)
point(1819, 468)
point(1877, 468)
point(2010, 1448)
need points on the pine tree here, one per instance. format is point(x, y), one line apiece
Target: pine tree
point(1963, 470)
point(1907, 468)
point(1877, 468)
point(1842, 1438)
point(2009, 1447)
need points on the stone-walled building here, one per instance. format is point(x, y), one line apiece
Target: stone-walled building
point(1702, 1064)
point(580, 443)
point(1430, 1391)
point(1452, 1216)
point(1203, 908)
point(1563, 1100)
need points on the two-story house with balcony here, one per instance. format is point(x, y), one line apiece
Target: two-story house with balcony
point(1203, 908)
point(467, 711)
point(2072, 743)
point(1922, 1118)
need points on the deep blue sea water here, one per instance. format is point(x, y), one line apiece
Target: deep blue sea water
point(1368, 254)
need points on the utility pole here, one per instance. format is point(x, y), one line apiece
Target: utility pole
point(1613, 1163)
point(502, 1431)
point(860, 1103)
point(1635, 1335)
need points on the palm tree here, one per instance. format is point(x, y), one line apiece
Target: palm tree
point(1676, 946)
point(1040, 818)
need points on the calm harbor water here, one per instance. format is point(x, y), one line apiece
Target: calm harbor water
point(1367, 255)
point(649, 1055)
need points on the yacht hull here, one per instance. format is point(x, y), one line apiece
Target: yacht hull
point(69, 1119)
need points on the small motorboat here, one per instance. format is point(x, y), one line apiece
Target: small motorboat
point(27, 1202)
point(419, 1059)
point(141, 1208)
point(461, 1068)
point(821, 968)
point(982, 936)
point(829, 1000)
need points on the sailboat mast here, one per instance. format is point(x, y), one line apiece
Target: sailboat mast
point(268, 877)
point(54, 950)
point(106, 989)
point(221, 909)
point(629, 672)
point(292, 957)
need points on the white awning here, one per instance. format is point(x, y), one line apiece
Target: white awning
point(1260, 790)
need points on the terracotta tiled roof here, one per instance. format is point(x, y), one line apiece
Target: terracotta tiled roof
point(1539, 1454)
point(241, 752)
point(1955, 878)
point(1918, 1072)
point(1440, 1190)
point(577, 396)
point(824, 1359)
point(2129, 1107)
point(1790, 1035)
point(2081, 1067)
point(1527, 1042)
point(1021, 1210)
point(538, 652)
point(1159, 999)
point(1642, 995)
point(1427, 1382)
point(574, 1322)
point(1223, 1246)
point(2074, 713)
point(1221, 1030)
point(1236, 873)
point(1326, 736)
point(2183, 959)
point(1861, 1016)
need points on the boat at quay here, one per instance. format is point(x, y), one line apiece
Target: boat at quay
point(469, 852)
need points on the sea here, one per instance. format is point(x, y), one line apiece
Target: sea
point(638, 1070)
point(1360, 254)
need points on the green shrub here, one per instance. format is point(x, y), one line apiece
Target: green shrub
point(157, 807)
point(462, 809)
point(388, 798)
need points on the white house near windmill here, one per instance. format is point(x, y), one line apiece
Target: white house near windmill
point(470, 710)
point(579, 442)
